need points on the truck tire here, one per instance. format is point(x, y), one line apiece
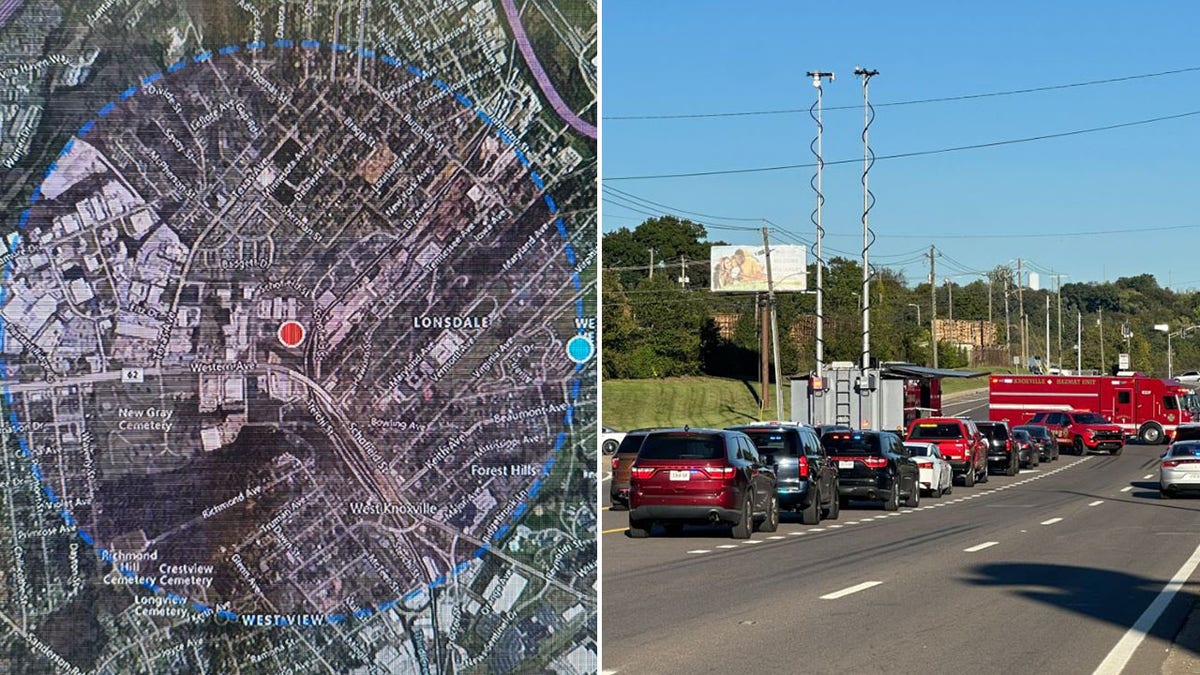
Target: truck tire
point(1079, 449)
point(969, 477)
point(1151, 433)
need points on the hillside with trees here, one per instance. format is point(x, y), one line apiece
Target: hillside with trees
point(661, 320)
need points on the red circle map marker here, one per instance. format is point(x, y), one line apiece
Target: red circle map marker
point(291, 333)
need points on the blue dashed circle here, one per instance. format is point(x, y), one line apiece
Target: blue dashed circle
point(573, 352)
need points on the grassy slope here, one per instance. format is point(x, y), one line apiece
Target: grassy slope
point(696, 401)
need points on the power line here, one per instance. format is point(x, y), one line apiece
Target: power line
point(917, 153)
point(940, 99)
point(674, 209)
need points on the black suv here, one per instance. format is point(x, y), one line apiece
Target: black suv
point(873, 465)
point(807, 481)
point(1042, 439)
point(701, 476)
point(1002, 453)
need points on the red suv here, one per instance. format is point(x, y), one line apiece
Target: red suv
point(701, 476)
point(959, 441)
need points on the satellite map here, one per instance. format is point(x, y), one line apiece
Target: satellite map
point(297, 336)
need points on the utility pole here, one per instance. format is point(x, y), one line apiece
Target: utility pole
point(764, 354)
point(1078, 342)
point(989, 278)
point(1007, 322)
point(651, 263)
point(817, 76)
point(1058, 292)
point(868, 159)
point(933, 342)
point(950, 302)
point(1021, 313)
point(683, 277)
point(1047, 357)
point(774, 328)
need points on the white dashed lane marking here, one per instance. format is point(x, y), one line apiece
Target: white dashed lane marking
point(850, 591)
point(1098, 502)
point(980, 547)
point(882, 516)
point(1127, 488)
point(1148, 476)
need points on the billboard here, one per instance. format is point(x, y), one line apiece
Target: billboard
point(743, 269)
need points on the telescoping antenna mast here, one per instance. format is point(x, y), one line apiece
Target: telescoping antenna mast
point(868, 202)
point(815, 147)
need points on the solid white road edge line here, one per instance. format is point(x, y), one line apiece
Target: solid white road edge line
point(853, 589)
point(1120, 654)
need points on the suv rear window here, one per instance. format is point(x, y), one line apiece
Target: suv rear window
point(774, 441)
point(1187, 432)
point(996, 432)
point(631, 443)
point(682, 446)
point(936, 431)
point(839, 443)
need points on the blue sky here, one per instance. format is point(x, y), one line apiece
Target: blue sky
point(981, 208)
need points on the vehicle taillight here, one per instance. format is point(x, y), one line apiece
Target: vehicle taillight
point(720, 472)
point(803, 464)
point(875, 462)
point(641, 472)
point(1170, 464)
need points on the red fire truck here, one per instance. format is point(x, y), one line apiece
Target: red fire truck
point(1147, 408)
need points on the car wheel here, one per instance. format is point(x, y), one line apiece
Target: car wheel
point(984, 477)
point(1116, 452)
point(1151, 434)
point(609, 447)
point(892, 501)
point(1014, 464)
point(771, 522)
point(914, 497)
point(1164, 493)
point(949, 486)
point(835, 506)
point(618, 506)
point(1079, 449)
point(811, 514)
point(969, 477)
point(745, 524)
point(639, 529)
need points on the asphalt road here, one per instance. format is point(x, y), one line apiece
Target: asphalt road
point(1044, 572)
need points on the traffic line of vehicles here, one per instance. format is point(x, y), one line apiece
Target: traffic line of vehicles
point(743, 477)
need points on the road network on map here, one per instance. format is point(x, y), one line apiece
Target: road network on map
point(285, 334)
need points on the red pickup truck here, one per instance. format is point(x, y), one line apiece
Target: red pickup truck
point(1081, 432)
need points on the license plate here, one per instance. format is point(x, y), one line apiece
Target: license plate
point(845, 464)
point(681, 475)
